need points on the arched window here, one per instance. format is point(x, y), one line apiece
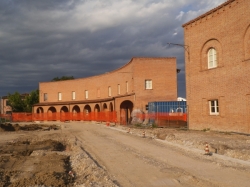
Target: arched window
point(212, 58)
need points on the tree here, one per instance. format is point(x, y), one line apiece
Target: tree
point(23, 103)
point(30, 100)
point(16, 102)
point(63, 78)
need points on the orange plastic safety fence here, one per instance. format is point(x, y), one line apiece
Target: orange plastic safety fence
point(65, 116)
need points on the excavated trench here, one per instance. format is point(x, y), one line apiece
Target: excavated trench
point(25, 162)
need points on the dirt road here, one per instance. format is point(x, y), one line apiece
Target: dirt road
point(97, 155)
point(135, 161)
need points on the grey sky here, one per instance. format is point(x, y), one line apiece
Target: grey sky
point(40, 40)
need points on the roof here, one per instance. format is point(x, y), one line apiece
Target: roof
point(209, 12)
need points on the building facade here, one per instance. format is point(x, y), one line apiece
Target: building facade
point(217, 68)
point(123, 90)
point(5, 108)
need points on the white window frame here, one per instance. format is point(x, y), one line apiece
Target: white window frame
point(73, 95)
point(214, 107)
point(109, 91)
point(148, 84)
point(118, 89)
point(86, 94)
point(212, 58)
point(45, 97)
point(59, 96)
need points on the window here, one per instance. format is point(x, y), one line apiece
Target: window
point(86, 94)
point(126, 86)
point(212, 58)
point(45, 96)
point(109, 91)
point(118, 89)
point(214, 107)
point(73, 95)
point(7, 103)
point(148, 84)
point(59, 96)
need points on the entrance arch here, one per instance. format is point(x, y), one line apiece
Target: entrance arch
point(126, 109)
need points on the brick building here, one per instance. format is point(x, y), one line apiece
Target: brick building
point(217, 68)
point(130, 87)
point(5, 108)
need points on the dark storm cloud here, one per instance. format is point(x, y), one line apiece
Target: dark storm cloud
point(40, 40)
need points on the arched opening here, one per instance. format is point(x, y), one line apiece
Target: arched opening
point(76, 109)
point(97, 108)
point(39, 114)
point(52, 114)
point(52, 109)
point(39, 110)
point(64, 113)
point(76, 113)
point(64, 109)
point(87, 113)
point(96, 113)
point(87, 109)
point(111, 107)
point(105, 108)
point(126, 109)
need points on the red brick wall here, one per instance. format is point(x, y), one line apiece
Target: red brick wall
point(162, 71)
point(227, 29)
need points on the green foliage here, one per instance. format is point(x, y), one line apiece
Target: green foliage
point(31, 99)
point(63, 78)
point(23, 103)
point(16, 102)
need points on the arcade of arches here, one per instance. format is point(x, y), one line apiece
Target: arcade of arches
point(123, 115)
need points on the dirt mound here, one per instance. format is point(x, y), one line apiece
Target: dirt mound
point(25, 148)
point(28, 127)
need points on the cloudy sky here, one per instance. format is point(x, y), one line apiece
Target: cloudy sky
point(43, 39)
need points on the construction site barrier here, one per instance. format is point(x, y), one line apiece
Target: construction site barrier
point(177, 116)
point(65, 116)
point(5, 118)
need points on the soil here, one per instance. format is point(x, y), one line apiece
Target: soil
point(61, 154)
point(48, 159)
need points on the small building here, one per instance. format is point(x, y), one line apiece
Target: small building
point(128, 88)
point(5, 108)
point(217, 68)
